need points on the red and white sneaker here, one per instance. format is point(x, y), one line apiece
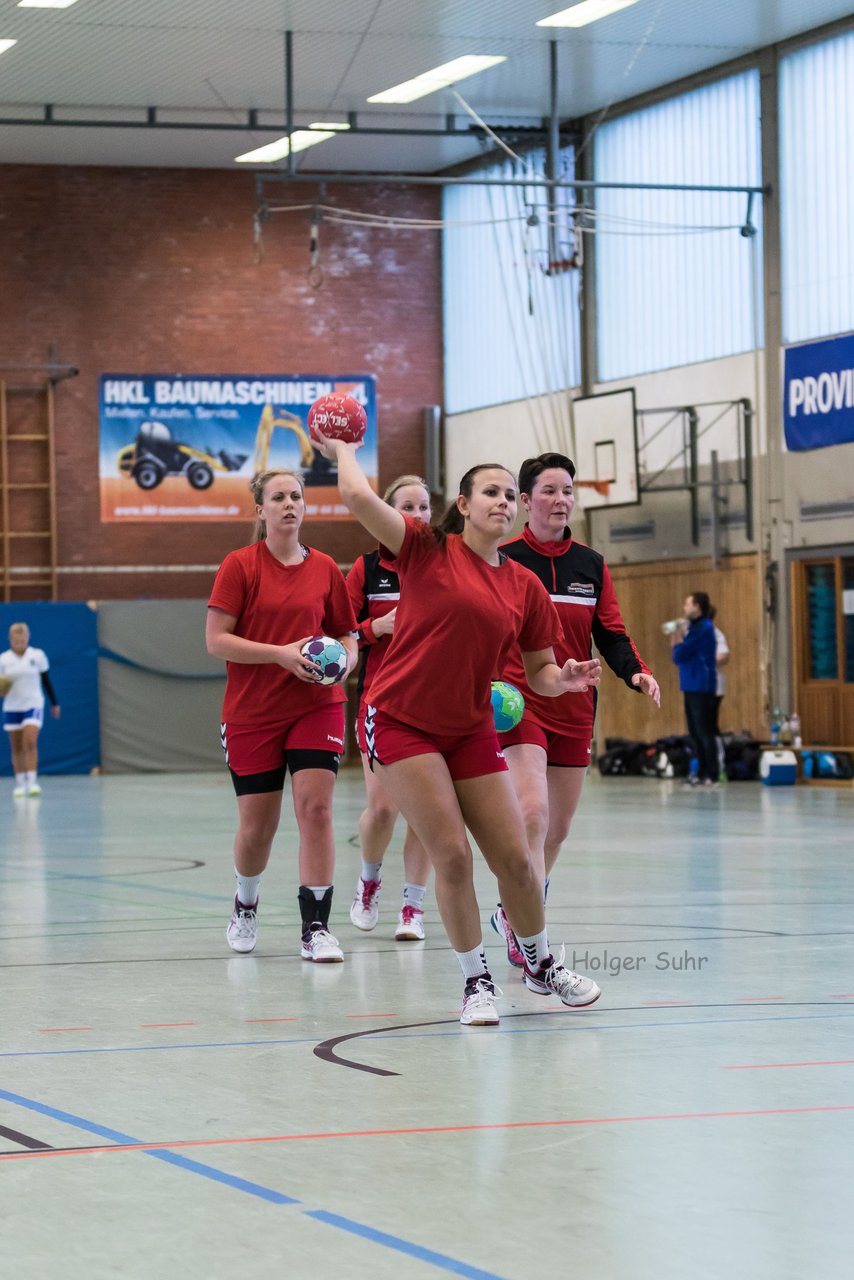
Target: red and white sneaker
point(410, 925)
point(553, 978)
point(365, 911)
point(319, 945)
point(501, 925)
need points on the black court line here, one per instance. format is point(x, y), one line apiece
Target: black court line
point(326, 1050)
point(24, 1139)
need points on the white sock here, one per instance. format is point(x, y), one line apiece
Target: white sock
point(473, 963)
point(535, 948)
point(247, 888)
point(372, 870)
point(413, 895)
point(21, 779)
point(31, 778)
point(318, 890)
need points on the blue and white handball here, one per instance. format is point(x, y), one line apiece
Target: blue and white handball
point(329, 654)
point(508, 705)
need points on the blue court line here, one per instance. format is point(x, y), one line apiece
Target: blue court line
point(402, 1246)
point(573, 1025)
point(169, 1157)
point(153, 1048)
point(441, 1260)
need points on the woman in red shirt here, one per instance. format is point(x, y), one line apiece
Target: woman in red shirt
point(374, 592)
point(267, 600)
point(429, 728)
point(549, 750)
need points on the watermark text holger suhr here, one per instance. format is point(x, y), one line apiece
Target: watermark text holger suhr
point(616, 963)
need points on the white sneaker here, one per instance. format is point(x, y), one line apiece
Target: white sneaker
point(242, 931)
point(410, 925)
point(19, 792)
point(320, 946)
point(365, 911)
point(479, 1003)
point(553, 977)
point(34, 790)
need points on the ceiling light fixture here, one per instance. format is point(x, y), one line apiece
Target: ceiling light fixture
point(299, 140)
point(6, 44)
point(438, 78)
point(46, 4)
point(579, 15)
point(331, 125)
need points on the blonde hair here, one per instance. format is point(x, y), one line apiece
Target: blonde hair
point(258, 484)
point(401, 483)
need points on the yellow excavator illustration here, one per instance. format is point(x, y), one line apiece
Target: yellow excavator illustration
point(155, 454)
point(316, 469)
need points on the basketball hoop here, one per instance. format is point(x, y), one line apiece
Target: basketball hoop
point(602, 487)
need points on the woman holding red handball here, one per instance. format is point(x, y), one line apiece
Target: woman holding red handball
point(429, 728)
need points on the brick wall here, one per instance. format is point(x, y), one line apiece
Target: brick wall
point(154, 271)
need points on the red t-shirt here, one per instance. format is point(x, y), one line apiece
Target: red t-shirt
point(455, 622)
point(277, 604)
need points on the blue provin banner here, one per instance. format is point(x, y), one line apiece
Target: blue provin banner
point(818, 405)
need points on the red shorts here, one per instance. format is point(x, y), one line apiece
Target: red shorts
point(472, 756)
point(561, 751)
point(254, 748)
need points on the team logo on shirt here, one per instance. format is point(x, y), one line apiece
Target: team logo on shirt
point(583, 588)
point(338, 741)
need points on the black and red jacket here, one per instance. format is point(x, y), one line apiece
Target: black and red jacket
point(577, 579)
point(374, 589)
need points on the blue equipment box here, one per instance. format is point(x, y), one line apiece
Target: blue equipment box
point(778, 768)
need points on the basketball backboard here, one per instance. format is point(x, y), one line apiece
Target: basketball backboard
point(606, 449)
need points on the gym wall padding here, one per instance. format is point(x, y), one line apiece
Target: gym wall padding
point(68, 635)
point(160, 690)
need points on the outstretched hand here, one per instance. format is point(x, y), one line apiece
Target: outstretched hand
point(647, 683)
point(576, 677)
point(330, 447)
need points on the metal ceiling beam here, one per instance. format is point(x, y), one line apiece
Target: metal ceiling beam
point(430, 180)
point(152, 121)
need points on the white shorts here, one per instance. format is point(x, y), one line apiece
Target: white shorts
point(14, 720)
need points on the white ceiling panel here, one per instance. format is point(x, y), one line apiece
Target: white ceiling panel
point(220, 59)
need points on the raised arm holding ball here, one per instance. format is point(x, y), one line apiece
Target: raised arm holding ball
point(429, 726)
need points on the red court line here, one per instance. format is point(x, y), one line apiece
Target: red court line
point(392, 1133)
point(765, 1066)
point(372, 1015)
point(846, 995)
point(63, 1028)
point(269, 1019)
point(167, 1024)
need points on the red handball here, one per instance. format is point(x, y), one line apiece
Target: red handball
point(339, 418)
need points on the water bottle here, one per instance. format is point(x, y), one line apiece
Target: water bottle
point(795, 726)
point(775, 728)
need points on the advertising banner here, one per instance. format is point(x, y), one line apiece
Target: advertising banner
point(184, 447)
point(818, 403)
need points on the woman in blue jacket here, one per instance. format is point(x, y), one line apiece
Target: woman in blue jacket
point(694, 654)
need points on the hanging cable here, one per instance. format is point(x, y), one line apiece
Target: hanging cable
point(315, 271)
